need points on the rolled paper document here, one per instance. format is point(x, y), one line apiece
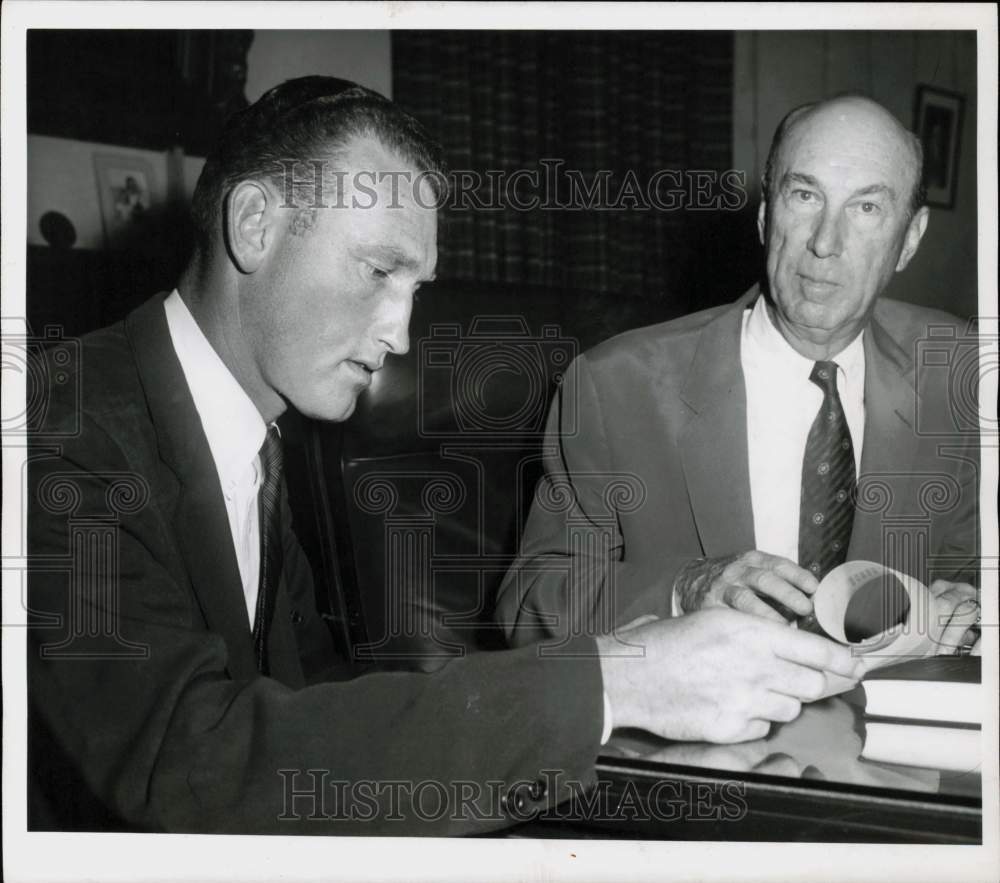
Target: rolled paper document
point(879, 612)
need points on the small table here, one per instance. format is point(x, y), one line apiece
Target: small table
point(808, 780)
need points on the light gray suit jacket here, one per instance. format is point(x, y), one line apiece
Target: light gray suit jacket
point(646, 467)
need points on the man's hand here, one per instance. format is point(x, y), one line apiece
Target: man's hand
point(954, 610)
point(739, 581)
point(719, 675)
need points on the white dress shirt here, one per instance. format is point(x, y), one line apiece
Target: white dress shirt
point(782, 403)
point(235, 432)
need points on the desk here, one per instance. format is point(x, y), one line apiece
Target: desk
point(807, 781)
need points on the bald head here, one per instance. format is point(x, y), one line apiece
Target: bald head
point(840, 215)
point(867, 123)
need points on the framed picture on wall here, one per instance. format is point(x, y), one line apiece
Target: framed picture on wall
point(125, 186)
point(938, 124)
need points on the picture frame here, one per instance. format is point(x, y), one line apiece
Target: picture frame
point(937, 120)
point(126, 186)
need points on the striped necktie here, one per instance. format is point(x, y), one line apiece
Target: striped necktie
point(826, 515)
point(269, 508)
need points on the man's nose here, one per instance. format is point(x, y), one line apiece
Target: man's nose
point(827, 238)
point(395, 326)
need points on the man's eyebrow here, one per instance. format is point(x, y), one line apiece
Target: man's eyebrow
point(799, 178)
point(810, 181)
point(398, 257)
point(389, 252)
point(872, 189)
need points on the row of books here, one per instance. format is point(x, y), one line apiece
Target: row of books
point(925, 713)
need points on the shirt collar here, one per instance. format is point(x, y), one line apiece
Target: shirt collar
point(765, 346)
point(233, 425)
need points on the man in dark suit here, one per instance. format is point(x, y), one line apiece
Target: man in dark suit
point(767, 441)
point(180, 677)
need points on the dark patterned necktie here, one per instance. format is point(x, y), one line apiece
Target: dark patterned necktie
point(828, 481)
point(269, 508)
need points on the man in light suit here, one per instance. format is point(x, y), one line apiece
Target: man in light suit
point(180, 676)
point(712, 420)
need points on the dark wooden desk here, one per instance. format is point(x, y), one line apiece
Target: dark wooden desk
point(807, 781)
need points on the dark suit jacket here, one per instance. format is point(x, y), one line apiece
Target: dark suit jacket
point(146, 708)
point(647, 467)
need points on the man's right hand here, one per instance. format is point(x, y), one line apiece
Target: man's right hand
point(740, 581)
point(719, 675)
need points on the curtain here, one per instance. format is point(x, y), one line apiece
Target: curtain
point(613, 133)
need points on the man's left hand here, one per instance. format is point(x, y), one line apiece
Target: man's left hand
point(954, 610)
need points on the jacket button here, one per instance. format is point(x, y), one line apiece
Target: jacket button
point(516, 800)
point(296, 617)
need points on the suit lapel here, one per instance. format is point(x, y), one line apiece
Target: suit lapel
point(200, 519)
point(890, 447)
point(714, 444)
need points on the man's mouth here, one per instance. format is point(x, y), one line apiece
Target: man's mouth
point(365, 370)
point(816, 284)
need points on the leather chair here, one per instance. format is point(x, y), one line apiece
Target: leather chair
point(411, 511)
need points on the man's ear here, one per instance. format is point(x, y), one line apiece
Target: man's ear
point(914, 233)
point(250, 224)
point(762, 220)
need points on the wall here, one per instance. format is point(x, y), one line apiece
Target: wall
point(776, 70)
point(362, 56)
point(773, 71)
point(62, 178)
point(61, 173)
